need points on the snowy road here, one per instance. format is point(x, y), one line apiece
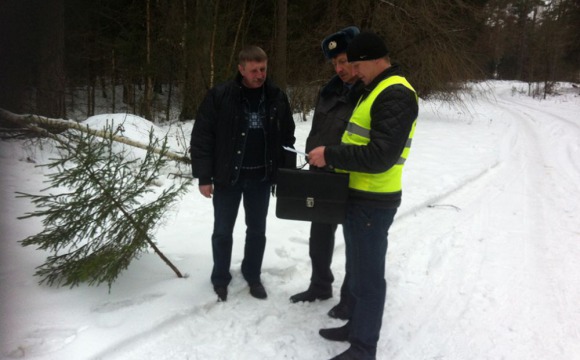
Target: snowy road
point(499, 274)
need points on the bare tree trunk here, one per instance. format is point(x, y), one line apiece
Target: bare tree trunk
point(113, 81)
point(238, 30)
point(18, 52)
point(367, 21)
point(187, 110)
point(103, 82)
point(523, 38)
point(531, 72)
point(169, 92)
point(281, 48)
point(212, 44)
point(148, 97)
point(91, 97)
point(50, 100)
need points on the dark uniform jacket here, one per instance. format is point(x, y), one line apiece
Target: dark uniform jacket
point(333, 110)
point(217, 139)
point(392, 115)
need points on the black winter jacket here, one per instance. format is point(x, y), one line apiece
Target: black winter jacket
point(219, 128)
point(333, 110)
point(392, 116)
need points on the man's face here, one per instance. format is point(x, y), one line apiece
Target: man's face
point(343, 68)
point(253, 73)
point(366, 70)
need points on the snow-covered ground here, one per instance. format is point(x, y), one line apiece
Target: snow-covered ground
point(482, 262)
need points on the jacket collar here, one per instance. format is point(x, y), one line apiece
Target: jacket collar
point(335, 87)
point(394, 69)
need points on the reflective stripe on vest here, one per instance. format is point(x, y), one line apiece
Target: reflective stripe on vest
point(358, 133)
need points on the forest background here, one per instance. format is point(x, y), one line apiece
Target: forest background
point(157, 58)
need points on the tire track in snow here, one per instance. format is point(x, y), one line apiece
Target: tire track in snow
point(463, 271)
point(561, 187)
point(185, 334)
point(444, 242)
point(557, 126)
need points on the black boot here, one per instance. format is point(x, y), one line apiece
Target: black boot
point(222, 292)
point(340, 311)
point(343, 310)
point(257, 290)
point(311, 295)
point(336, 334)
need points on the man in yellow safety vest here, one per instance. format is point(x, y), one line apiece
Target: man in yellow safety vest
point(373, 151)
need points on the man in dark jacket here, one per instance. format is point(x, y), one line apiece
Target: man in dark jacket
point(236, 149)
point(333, 109)
point(373, 151)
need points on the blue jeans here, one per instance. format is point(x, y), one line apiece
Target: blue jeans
point(226, 202)
point(365, 232)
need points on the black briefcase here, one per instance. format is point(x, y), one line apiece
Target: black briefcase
point(317, 196)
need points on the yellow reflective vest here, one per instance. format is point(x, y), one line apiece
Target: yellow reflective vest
point(358, 133)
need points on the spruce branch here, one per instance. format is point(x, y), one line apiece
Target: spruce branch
point(98, 215)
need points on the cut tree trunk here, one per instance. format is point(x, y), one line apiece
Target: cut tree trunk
point(52, 125)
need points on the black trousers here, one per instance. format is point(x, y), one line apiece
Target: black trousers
point(321, 249)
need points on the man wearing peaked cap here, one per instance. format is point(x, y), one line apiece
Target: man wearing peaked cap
point(373, 150)
point(334, 106)
point(336, 44)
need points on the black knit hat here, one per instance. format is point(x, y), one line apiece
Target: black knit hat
point(366, 46)
point(337, 43)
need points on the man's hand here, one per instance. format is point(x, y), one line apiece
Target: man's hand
point(316, 157)
point(206, 190)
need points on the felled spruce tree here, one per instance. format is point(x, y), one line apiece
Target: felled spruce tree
point(99, 212)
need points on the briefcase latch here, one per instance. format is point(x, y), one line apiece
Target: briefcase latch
point(310, 202)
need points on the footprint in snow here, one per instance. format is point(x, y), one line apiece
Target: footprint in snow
point(110, 306)
point(44, 341)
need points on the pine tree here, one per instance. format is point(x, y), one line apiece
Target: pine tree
point(97, 213)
